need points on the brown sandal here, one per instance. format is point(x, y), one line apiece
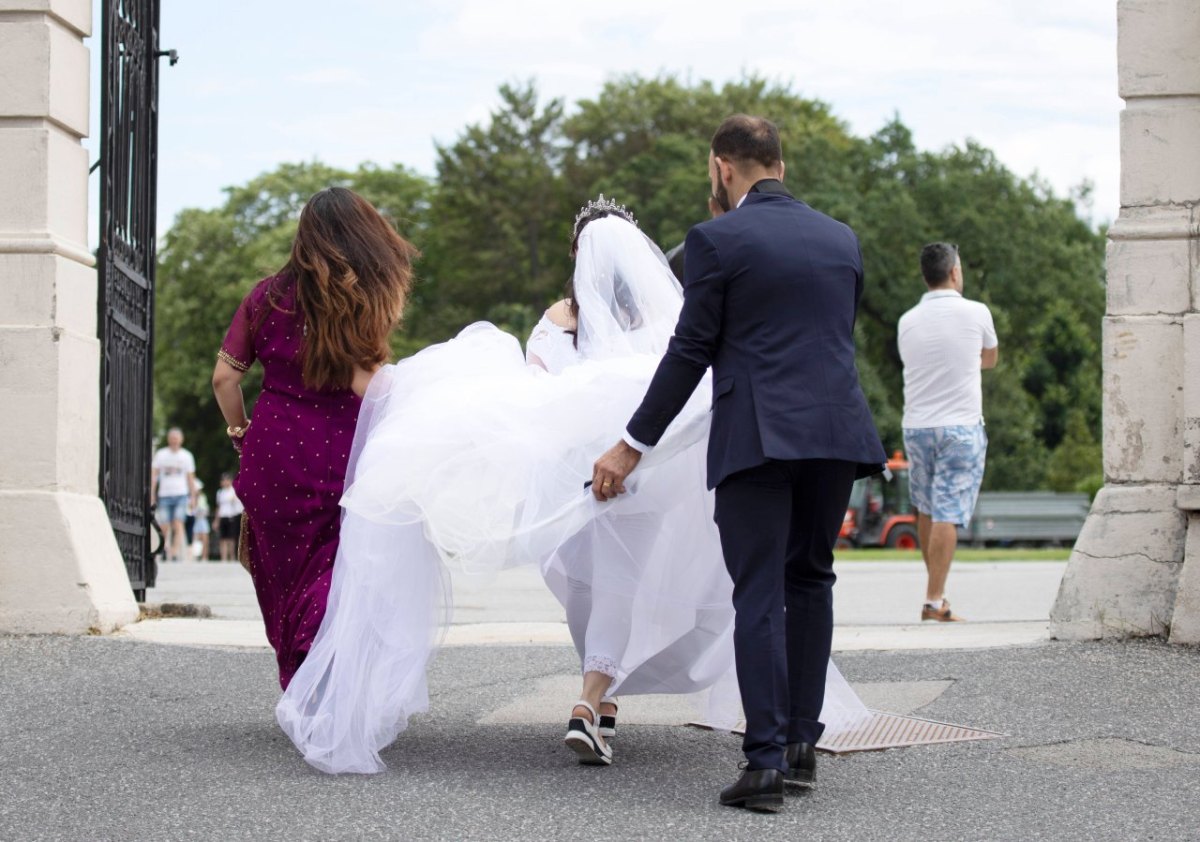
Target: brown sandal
point(942, 615)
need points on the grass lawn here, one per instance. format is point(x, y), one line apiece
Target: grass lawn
point(963, 554)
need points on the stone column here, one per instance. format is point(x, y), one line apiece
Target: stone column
point(1134, 570)
point(60, 569)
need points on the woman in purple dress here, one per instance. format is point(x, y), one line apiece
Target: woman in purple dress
point(320, 330)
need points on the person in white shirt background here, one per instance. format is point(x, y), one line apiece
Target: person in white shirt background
point(944, 342)
point(173, 491)
point(201, 525)
point(229, 518)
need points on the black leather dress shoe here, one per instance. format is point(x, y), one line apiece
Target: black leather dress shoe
point(802, 765)
point(756, 789)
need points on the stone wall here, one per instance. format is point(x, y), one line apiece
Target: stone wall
point(60, 569)
point(1134, 570)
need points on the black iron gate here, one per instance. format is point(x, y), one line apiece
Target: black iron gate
point(128, 177)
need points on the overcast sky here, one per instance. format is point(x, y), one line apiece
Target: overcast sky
point(259, 83)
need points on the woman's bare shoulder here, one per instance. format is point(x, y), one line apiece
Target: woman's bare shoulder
point(559, 314)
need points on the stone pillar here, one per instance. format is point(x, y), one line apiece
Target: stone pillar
point(60, 569)
point(1134, 570)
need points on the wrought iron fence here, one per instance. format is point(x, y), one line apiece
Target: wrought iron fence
point(128, 184)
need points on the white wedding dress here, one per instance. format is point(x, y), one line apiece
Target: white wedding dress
point(466, 455)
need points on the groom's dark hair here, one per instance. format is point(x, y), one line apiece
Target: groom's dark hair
point(744, 138)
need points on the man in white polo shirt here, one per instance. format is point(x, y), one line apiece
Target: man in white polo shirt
point(945, 341)
point(173, 491)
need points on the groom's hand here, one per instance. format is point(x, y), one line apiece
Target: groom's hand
point(611, 469)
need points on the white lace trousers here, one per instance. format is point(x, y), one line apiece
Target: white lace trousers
point(604, 566)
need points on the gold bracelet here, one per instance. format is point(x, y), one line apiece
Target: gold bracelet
point(238, 432)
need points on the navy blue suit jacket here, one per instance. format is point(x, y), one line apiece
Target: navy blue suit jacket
point(770, 294)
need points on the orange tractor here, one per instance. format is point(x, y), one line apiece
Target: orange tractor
point(880, 512)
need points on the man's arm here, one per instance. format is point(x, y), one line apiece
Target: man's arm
point(690, 351)
point(991, 345)
point(688, 356)
point(153, 485)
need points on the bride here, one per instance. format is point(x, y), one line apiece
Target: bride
point(474, 455)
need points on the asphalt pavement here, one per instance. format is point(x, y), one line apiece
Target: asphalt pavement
point(166, 731)
point(115, 739)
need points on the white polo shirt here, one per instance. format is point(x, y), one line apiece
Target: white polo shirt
point(173, 467)
point(940, 344)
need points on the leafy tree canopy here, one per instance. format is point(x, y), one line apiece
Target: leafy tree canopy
point(494, 224)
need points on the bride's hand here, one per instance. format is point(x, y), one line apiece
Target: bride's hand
point(611, 469)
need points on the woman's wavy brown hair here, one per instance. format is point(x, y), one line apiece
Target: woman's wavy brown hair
point(353, 273)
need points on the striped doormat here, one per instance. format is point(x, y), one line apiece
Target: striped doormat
point(891, 730)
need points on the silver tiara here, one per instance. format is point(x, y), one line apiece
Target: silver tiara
point(601, 204)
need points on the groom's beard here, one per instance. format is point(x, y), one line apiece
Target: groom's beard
point(722, 197)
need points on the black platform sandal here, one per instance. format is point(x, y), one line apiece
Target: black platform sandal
point(583, 738)
point(608, 722)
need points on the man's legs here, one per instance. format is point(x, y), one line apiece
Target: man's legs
point(956, 476)
point(938, 542)
point(924, 524)
point(753, 512)
point(179, 540)
point(164, 513)
point(821, 490)
point(921, 446)
point(170, 515)
point(938, 552)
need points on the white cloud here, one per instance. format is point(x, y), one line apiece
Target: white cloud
point(378, 80)
point(330, 76)
point(998, 71)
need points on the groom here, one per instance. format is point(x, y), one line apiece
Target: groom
point(769, 300)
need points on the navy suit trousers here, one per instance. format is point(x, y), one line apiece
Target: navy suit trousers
point(779, 523)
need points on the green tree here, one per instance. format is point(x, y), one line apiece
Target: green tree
point(494, 225)
point(645, 141)
point(499, 222)
point(1077, 462)
point(1016, 457)
point(1059, 376)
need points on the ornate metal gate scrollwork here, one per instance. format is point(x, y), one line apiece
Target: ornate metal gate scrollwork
point(128, 183)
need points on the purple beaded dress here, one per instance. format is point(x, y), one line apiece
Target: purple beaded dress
point(292, 472)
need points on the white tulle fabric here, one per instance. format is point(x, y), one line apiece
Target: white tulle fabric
point(551, 347)
point(389, 603)
point(466, 455)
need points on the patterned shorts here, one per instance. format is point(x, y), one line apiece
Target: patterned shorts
point(946, 470)
point(170, 509)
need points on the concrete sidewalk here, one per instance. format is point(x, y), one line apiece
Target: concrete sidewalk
point(876, 604)
point(110, 739)
point(249, 634)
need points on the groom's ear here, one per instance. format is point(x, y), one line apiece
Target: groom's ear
point(724, 169)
